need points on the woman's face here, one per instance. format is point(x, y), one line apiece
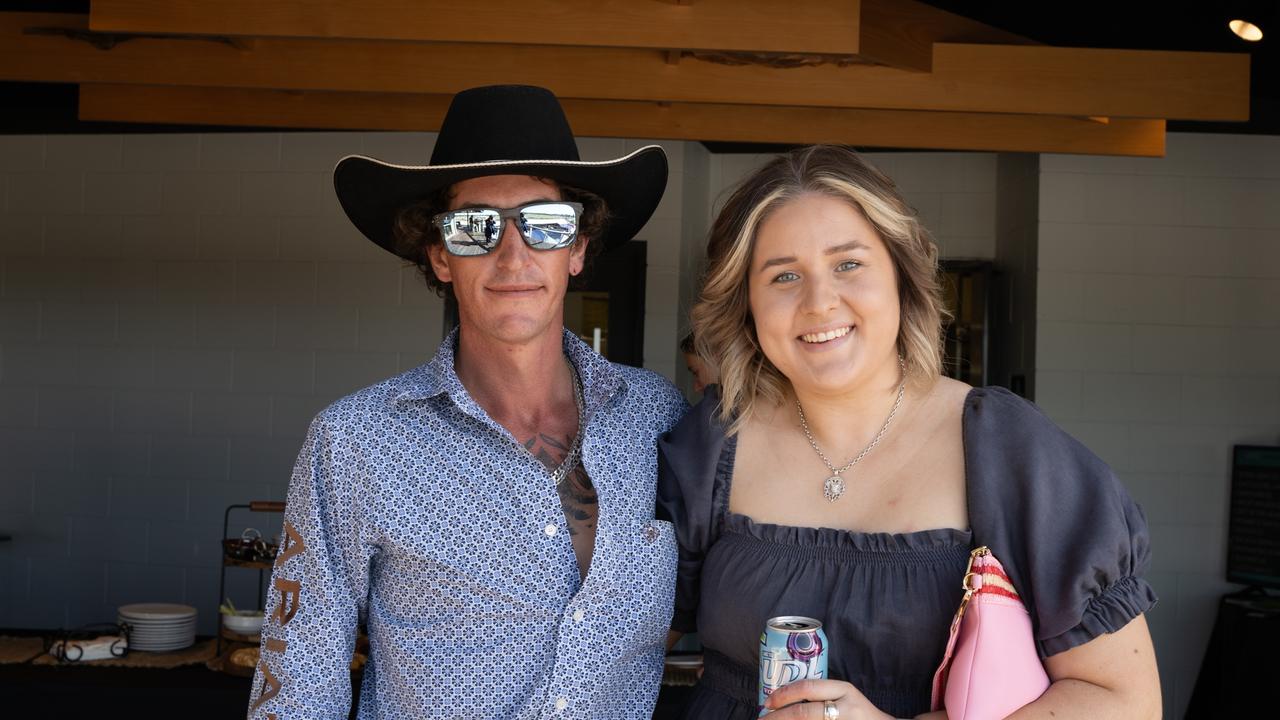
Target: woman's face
point(824, 296)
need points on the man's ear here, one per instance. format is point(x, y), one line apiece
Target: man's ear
point(578, 255)
point(436, 256)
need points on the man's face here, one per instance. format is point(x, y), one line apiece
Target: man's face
point(702, 375)
point(514, 294)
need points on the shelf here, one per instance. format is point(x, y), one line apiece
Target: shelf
point(232, 545)
point(222, 663)
point(239, 637)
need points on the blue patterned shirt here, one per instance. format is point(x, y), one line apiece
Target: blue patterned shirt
point(411, 509)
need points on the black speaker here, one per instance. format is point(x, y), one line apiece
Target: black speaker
point(1239, 672)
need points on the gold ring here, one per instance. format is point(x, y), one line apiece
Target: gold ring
point(830, 711)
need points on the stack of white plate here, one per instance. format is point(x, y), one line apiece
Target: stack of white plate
point(159, 627)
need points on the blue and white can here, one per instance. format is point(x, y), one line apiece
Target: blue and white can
point(792, 648)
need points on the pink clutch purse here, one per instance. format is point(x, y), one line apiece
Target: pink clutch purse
point(990, 668)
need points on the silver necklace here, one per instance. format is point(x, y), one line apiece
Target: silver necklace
point(575, 449)
point(833, 487)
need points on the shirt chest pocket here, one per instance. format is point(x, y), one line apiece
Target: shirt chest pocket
point(640, 582)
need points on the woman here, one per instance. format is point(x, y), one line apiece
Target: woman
point(837, 475)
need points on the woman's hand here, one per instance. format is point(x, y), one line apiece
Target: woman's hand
point(809, 700)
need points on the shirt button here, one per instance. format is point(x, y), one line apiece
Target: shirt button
point(550, 529)
point(650, 534)
point(561, 703)
point(578, 615)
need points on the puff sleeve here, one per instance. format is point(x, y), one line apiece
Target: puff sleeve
point(1073, 541)
point(692, 473)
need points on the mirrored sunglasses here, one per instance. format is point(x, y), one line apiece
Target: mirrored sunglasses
point(477, 230)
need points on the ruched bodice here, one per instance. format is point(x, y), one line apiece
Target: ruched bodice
point(850, 581)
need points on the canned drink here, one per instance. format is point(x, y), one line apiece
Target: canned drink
point(791, 648)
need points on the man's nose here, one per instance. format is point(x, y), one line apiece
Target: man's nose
point(511, 249)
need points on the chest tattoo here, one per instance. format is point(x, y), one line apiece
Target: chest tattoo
point(577, 494)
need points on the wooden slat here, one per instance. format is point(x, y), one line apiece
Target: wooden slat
point(892, 32)
point(902, 33)
point(966, 78)
point(607, 118)
point(1135, 83)
point(808, 26)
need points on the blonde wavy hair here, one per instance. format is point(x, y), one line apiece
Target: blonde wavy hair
point(724, 331)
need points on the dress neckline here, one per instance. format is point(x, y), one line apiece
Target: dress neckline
point(724, 485)
point(940, 535)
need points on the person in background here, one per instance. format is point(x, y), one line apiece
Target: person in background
point(835, 474)
point(488, 515)
point(703, 375)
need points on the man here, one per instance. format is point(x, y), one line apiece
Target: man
point(488, 515)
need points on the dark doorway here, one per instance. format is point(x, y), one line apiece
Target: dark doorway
point(608, 300)
point(967, 290)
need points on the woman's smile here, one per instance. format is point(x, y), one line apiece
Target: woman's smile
point(825, 337)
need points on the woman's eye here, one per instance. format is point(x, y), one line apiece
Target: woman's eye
point(786, 277)
point(848, 265)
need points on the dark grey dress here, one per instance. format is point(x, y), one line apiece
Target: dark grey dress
point(1072, 541)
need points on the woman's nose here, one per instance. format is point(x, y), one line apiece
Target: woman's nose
point(819, 296)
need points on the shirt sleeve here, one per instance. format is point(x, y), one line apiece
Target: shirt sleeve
point(689, 466)
point(672, 407)
point(1074, 542)
point(319, 587)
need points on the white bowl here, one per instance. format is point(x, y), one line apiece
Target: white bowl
point(245, 622)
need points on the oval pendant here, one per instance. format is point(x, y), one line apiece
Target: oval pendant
point(833, 488)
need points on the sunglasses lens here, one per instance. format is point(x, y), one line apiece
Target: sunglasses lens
point(549, 226)
point(471, 232)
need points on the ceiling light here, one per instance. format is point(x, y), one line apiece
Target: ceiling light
point(1246, 30)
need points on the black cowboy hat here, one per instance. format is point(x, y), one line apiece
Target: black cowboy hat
point(502, 130)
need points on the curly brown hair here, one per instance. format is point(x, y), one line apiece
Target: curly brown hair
point(414, 231)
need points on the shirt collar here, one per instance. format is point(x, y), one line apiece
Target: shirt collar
point(600, 379)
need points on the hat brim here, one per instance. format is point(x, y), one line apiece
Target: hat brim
point(372, 192)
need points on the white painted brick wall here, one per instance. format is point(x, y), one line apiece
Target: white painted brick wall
point(665, 235)
point(697, 196)
point(1159, 324)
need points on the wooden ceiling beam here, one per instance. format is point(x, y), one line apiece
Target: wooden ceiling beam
point(817, 26)
point(608, 118)
point(902, 34)
point(965, 78)
point(891, 32)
